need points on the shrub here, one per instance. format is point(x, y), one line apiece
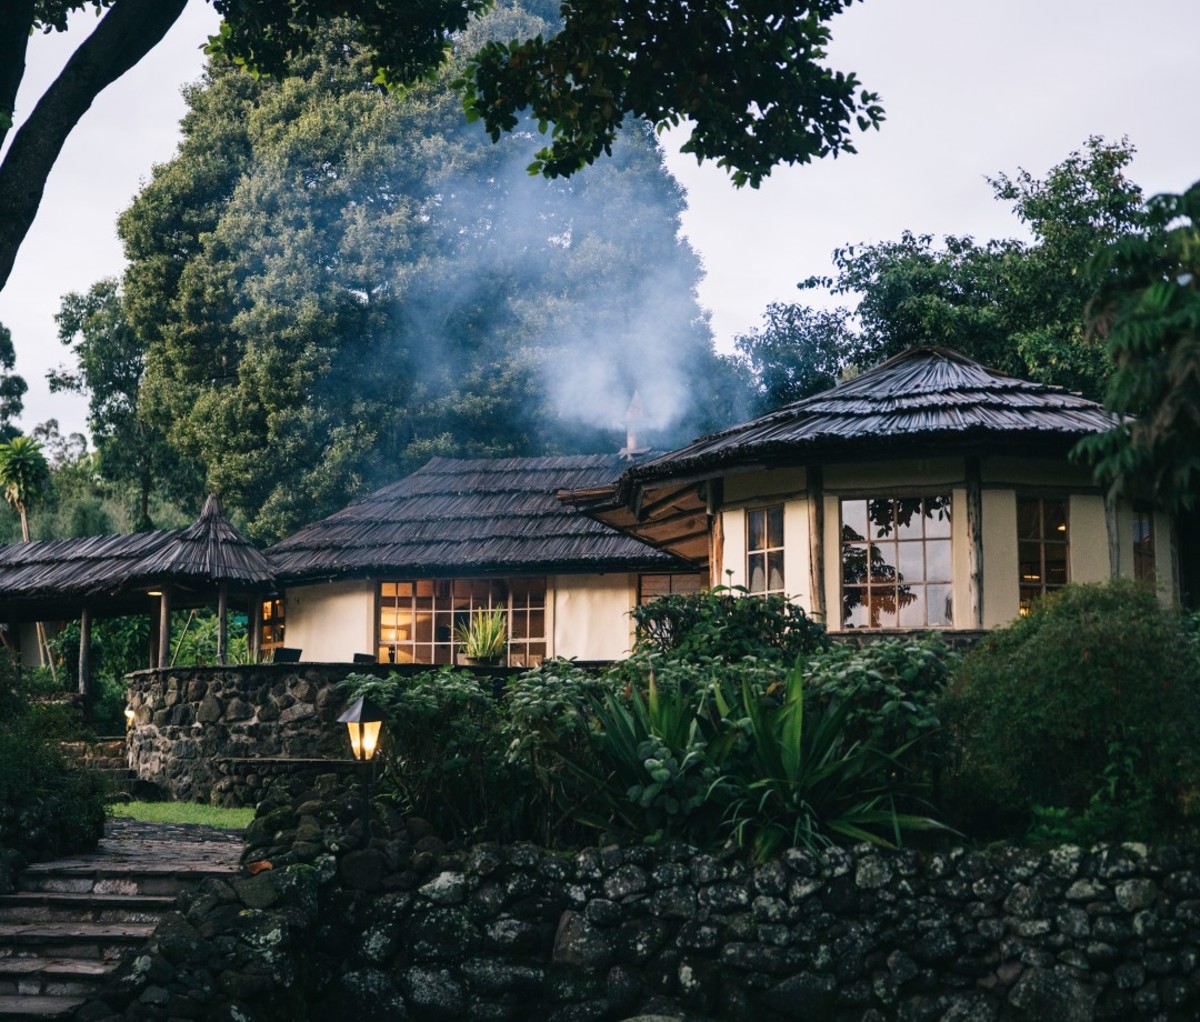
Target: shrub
point(1084, 713)
point(444, 752)
point(723, 622)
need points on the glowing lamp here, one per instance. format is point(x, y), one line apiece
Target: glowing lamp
point(364, 720)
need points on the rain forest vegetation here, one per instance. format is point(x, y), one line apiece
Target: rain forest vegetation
point(330, 284)
point(1015, 305)
point(1077, 723)
point(751, 82)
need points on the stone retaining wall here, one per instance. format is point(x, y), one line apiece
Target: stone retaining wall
point(412, 928)
point(188, 721)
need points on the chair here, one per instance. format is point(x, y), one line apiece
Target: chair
point(286, 655)
point(365, 658)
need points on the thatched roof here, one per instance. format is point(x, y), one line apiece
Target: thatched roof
point(469, 518)
point(52, 579)
point(930, 396)
point(924, 402)
point(210, 550)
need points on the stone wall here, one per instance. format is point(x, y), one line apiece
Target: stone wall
point(196, 730)
point(410, 927)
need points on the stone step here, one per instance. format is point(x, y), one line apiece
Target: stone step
point(38, 1006)
point(72, 939)
point(56, 906)
point(167, 880)
point(53, 976)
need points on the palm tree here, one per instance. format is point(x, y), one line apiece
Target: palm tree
point(25, 477)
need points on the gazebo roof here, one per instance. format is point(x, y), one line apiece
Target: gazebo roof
point(51, 579)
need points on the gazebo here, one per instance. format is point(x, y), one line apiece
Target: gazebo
point(142, 573)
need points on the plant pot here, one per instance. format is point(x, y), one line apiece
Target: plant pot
point(480, 661)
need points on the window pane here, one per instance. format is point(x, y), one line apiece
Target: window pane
point(854, 607)
point(775, 571)
point(854, 519)
point(912, 608)
point(937, 517)
point(1055, 512)
point(1029, 519)
point(939, 562)
point(758, 574)
point(854, 563)
point(883, 562)
point(908, 518)
point(940, 603)
point(912, 562)
point(882, 519)
point(756, 521)
point(882, 609)
point(537, 624)
point(1029, 559)
point(1056, 564)
point(775, 527)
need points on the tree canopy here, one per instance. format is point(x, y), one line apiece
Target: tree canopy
point(750, 79)
point(1015, 305)
point(1146, 311)
point(335, 283)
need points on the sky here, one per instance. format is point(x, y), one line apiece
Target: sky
point(971, 88)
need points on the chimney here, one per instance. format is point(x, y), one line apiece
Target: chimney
point(633, 415)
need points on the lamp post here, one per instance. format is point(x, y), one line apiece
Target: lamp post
point(364, 719)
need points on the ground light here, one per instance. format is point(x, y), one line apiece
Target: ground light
point(364, 719)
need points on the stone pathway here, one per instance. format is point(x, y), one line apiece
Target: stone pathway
point(72, 920)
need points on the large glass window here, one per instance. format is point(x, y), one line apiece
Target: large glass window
point(764, 550)
point(1143, 546)
point(897, 566)
point(418, 618)
point(1041, 547)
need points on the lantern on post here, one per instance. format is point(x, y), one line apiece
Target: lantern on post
point(364, 719)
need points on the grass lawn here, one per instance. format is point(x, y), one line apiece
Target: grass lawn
point(184, 812)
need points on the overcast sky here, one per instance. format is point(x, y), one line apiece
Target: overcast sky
point(970, 87)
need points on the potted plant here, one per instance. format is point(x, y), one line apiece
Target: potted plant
point(482, 640)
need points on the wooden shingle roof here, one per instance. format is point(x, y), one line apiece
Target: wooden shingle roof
point(51, 579)
point(469, 518)
point(926, 395)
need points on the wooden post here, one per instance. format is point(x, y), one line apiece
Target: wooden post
point(816, 543)
point(222, 622)
point(974, 474)
point(164, 628)
point(85, 651)
point(254, 616)
point(1112, 527)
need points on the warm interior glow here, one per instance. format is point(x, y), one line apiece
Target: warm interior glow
point(154, 592)
point(364, 736)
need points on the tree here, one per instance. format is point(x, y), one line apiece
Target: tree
point(335, 283)
point(110, 361)
point(12, 386)
point(796, 353)
point(750, 79)
point(25, 476)
point(1146, 311)
point(1015, 305)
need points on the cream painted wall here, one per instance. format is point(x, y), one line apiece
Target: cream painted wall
point(591, 615)
point(960, 558)
point(1036, 472)
point(1165, 566)
point(1088, 536)
point(758, 487)
point(331, 622)
point(1001, 585)
point(890, 475)
point(797, 581)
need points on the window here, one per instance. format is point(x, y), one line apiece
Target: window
point(1143, 547)
point(651, 587)
point(764, 550)
point(1041, 547)
point(897, 563)
point(271, 636)
point(418, 618)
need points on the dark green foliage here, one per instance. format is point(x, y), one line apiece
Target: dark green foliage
point(1147, 311)
point(48, 806)
point(1089, 707)
point(444, 752)
point(1017, 306)
point(723, 622)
